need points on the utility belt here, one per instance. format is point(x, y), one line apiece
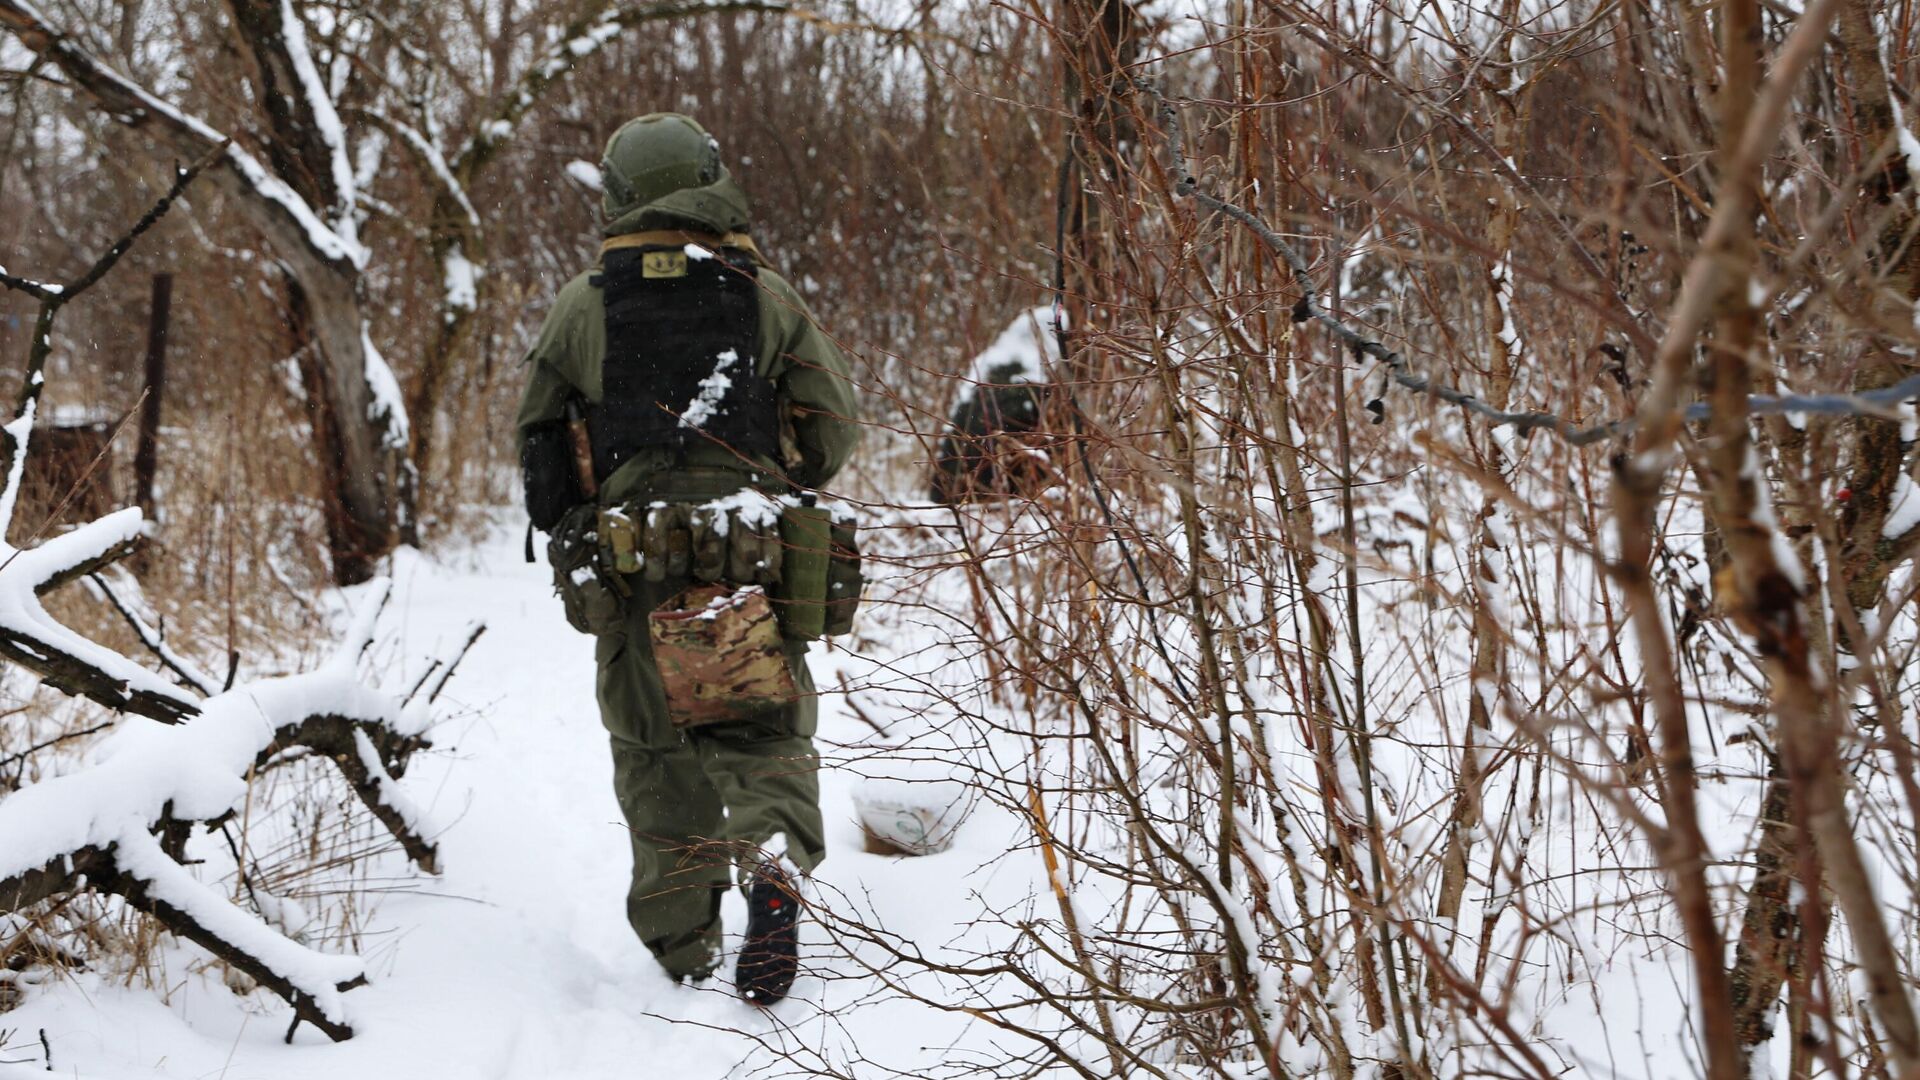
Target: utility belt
point(803, 557)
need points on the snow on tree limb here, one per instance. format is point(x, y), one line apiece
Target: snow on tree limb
point(271, 200)
point(124, 595)
point(28, 635)
point(33, 639)
point(96, 828)
point(293, 36)
point(387, 407)
point(575, 42)
point(431, 157)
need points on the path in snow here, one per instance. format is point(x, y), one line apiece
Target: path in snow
point(518, 961)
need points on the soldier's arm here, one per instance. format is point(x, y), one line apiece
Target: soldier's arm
point(816, 379)
point(554, 365)
point(555, 362)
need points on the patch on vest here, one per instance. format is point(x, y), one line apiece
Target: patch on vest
point(663, 264)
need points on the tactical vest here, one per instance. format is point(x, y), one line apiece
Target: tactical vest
point(682, 362)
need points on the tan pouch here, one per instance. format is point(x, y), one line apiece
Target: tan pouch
point(719, 654)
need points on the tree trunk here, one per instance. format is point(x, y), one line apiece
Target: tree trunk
point(1888, 297)
point(355, 470)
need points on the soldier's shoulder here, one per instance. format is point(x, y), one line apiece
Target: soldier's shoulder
point(577, 303)
point(782, 300)
point(582, 289)
point(775, 282)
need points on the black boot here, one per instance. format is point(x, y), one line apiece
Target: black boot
point(770, 955)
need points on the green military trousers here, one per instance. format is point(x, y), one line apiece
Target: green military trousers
point(699, 801)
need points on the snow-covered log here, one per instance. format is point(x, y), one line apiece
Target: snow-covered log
point(101, 828)
point(118, 827)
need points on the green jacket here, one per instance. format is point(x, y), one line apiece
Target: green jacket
point(806, 366)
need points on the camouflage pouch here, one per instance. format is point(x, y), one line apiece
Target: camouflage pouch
point(720, 657)
point(593, 604)
point(844, 579)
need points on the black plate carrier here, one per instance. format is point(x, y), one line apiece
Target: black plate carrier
point(683, 326)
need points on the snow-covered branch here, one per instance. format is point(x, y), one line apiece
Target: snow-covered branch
point(96, 828)
point(124, 595)
point(28, 635)
point(67, 661)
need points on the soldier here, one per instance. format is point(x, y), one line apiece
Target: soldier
point(670, 382)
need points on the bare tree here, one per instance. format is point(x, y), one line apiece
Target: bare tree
point(134, 813)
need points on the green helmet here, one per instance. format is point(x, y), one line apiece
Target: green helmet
point(655, 155)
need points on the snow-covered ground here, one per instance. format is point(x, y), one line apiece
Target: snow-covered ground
point(517, 961)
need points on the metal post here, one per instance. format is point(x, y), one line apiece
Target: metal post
point(146, 453)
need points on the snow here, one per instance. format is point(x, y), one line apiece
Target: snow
point(713, 390)
point(1021, 353)
point(1903, 511)
point(20, 430)
point(1909, 145)
point(752, 507)
point(586, 174)
point(604, 31)
point(126, 593)
point(428, 149)
point(318, 975)
point(199, 766)
point(462, 281)
point(518, 963)
point(21, 571)
point(391, 793)
point(197, 770)
point(1783, 553)
point(386, 400)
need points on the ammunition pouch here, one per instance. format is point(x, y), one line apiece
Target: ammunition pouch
point(807, 561)
point(819, 593)
point(595, 599)
point(720, 655)
point(710, 544)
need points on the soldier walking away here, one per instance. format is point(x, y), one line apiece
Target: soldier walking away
point(681, 408)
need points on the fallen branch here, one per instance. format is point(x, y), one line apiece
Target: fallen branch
point(153, 637)
point(101, 829)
